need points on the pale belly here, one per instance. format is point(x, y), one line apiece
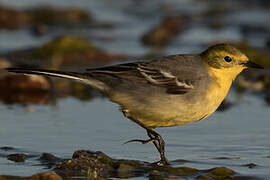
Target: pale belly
point(174, 110)
point(171, 115)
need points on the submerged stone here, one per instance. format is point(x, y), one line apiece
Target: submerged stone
point(7, 148)
point(86, 164)
point(99, 165)
point(218, 173)
point(19, 157)
point(168, 29)
point(251, 165)
point(49, 159)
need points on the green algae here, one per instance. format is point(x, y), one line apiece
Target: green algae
point(65, 45)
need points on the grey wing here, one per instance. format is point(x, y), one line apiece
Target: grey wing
point(166, 79)
point(156, 73)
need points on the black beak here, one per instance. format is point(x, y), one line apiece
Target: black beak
point(251, 64)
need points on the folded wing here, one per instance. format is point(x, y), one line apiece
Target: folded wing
point(143, 72)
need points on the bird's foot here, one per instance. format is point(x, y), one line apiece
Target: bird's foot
point(141, 141)
point(159, 144)
point(161, 163)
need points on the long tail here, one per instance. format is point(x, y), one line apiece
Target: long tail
point(81, 77)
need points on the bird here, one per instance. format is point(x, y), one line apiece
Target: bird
point(167, 91)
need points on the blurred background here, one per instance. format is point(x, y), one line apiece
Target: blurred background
point(40, 114)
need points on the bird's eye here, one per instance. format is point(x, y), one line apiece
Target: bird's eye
point(227, 58)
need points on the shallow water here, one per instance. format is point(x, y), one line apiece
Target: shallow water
point(232, 138)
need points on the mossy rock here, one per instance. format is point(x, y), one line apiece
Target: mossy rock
point(180, 171)
point(97, 165)
point(84, 162)
point(65, 45)
point(219, 173)
point(70, 50)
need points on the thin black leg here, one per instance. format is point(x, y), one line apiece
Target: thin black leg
point(154, 137)
point(159, 144)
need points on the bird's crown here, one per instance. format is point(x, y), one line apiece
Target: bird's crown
point(224, 56)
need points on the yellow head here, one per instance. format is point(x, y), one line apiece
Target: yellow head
point(226, 60)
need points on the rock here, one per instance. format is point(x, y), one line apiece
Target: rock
point(99, 165)
point(49, 158)
point(14, 19)
point(84, 161)
point(222, 172)
point(251, 165)
point(21, 82)
point(69, 50)
point(66, 50)
point(24, 89)
point(17, 157)
point(5, 177)
point(155, 175)
point(24, 97)
point(7, 148)
point(39, 176)
point(46, 176)
point(125, 170)
point(217, 174)
point(53, 16)
point(34, 89)
point(168, 29)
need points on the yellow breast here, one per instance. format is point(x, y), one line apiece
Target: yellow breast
point(219, 87)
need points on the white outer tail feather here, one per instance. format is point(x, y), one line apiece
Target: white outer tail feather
point(68, 75)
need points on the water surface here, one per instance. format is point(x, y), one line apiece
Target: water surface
point(233, 138)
